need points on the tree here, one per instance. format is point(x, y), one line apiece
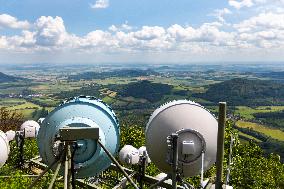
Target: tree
point(10, 119)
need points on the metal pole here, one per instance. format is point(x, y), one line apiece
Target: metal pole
point(74, 147)
point(142, 168)
point(67, 175)
point(20, 139)
point(175, 159)
point(55, 175)
point(157, 184)
point(202, 169)
point(230, 160)
point(117, 164)
point(220, 144)
point(42, 173)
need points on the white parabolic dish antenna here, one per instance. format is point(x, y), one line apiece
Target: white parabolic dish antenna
point(197, 133)
point(4, 148)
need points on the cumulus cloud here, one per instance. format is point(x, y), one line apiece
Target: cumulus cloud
point(263, 21)
point(220, 13)
point(3, 42)
point(50, 31)
point(149, 33)
point(122, 27)
point(264, 31)
point(262, 4)
point(8, 21)
point(100, 4)
point(240, 4)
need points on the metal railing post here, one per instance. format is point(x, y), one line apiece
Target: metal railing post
point(220, 144)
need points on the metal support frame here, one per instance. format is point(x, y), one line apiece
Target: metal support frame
point(161, 181)
point(220, 144)
point(67, 166)
point(173, 160)
point(147, 179)
point(174, 137)
point(42, 174)
point(55, 175)
point(117, 164)
point(20, 140)
point(142, 169)
point(65, 157)
point(230, 161)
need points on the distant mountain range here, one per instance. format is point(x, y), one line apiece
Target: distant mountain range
point(7, 78)
point(273, 75)
point(117, 73)
point(245, 92)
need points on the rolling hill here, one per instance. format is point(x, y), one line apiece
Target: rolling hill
point(117, 73)
point(7, 78)
point(245, 92)
point(152, 92)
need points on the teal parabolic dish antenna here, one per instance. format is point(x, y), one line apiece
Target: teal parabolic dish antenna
point(90, 159)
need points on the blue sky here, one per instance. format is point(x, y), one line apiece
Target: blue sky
point(97, 31)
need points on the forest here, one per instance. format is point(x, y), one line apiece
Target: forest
point(246, 92)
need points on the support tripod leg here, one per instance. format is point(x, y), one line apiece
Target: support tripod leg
point(42, 173)
point(117, 164)
point(55, 175)
point(142, 168)
point(67, 171)
point(175, 159)
point(157, 184)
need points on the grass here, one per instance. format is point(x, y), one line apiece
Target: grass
point(108, 100)
point(21, 106)
point(247, 112)
point(273, 133)
point(26, 105)
point(11, 102)
point(249, 136)
point(56, 87)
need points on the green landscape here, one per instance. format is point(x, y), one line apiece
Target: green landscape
point(255, 101)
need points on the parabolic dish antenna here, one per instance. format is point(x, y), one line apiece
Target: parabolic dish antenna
point(4, 148)
point(197, 134)
point(89, 158)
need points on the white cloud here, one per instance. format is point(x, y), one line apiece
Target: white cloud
point(50, 31)
point(240, 4)
point(259, 4)
point(263, 21)
point(100, 4)
point(122, 27)
point(220, 13)
point(7, 21)
point(149, 33)
point(264, 31)
point(3, 42)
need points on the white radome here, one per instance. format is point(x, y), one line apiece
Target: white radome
point(4, 148)
point(30, 128)
point(129, 155)
point(10, 135)
point(197, 129)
